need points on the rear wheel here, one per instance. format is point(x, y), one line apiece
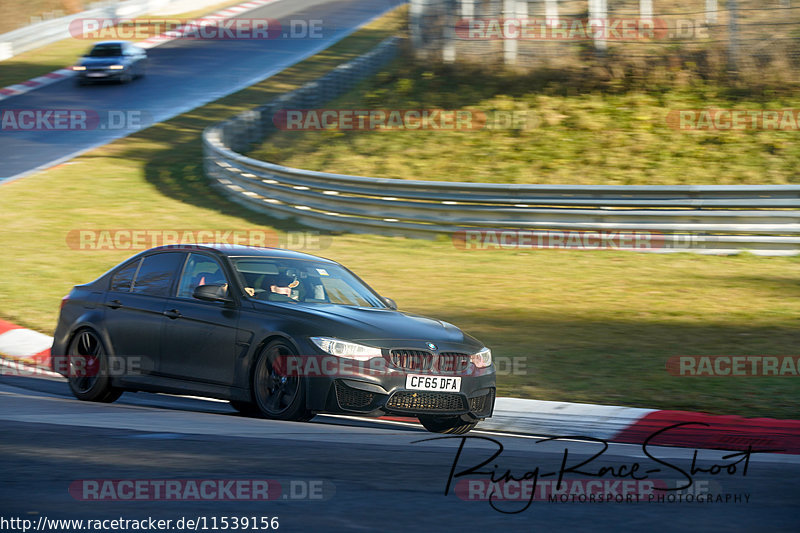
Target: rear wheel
point(88, 369)
point(276, 395)
point(453, 425)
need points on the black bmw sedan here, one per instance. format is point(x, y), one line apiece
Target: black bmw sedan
point(278, 333)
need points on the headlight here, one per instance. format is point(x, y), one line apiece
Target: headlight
point(116, 67)
point(482, 359)
point(347, 349)
point(78, 67)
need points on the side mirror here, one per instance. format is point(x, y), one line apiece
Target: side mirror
point(391, 303)
point(212, 293)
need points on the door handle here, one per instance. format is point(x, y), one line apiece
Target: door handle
point(172, 313)
point(114, 304)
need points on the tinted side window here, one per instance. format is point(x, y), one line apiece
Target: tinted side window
point(200, 270)
point(157, 273)
point(122, 280)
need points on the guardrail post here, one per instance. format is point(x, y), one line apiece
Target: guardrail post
point(646, 9)
point(711, 11)
point(467, 9)
point(448, 32)
point(509, 44)
point(415, 13)
point(733, 34)
point(551, 12)
point(6, 51)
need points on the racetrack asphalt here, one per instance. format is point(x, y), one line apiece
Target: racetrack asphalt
point(377, 475)
point(181, 75)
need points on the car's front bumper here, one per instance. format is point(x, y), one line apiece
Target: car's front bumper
point(101, 75)
point(387, 394)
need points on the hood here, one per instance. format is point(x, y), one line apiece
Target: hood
point(382, 327)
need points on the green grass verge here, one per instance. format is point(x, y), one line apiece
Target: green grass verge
point(591, 326)
point(572, 130)
point(66, 52)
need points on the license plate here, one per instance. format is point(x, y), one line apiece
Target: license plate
point(97, 74)
point(437, 383)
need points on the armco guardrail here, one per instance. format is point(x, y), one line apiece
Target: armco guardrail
point(706, 219)
point(49, 31)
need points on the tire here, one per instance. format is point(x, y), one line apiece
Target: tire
point(88, 369)
point(275, 396)
point(452, 425)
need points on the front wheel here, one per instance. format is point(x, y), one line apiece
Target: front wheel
point(88, 375)
point(452, 425)
point(278, 396)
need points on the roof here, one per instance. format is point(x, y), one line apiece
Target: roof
point(233, 250)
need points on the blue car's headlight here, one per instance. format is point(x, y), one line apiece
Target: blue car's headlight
point(482, 359)
point(347, 349)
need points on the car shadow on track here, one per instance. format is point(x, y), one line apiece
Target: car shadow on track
point(51, 387)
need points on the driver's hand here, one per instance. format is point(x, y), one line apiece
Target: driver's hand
point(281, 290)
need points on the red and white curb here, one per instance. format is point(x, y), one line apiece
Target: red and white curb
point(540, 417)
point(636, 426)
point(29, 355)
point(152, 42)
point(35, 83)
point(24, 345)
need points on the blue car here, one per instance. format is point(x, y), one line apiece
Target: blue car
point(111, 61)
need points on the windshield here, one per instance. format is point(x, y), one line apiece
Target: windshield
point(106, 50)
point(303, 282)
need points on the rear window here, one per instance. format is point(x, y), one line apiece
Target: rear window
point(123, 279)
point(157, 273)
